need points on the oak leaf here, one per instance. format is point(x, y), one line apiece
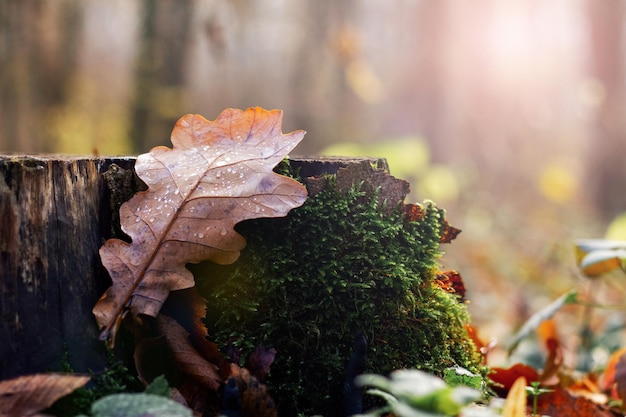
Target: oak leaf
point(217, 174)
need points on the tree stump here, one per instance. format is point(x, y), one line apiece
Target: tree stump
point(55, 214)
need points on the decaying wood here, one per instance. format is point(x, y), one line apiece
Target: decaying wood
point(55, 213)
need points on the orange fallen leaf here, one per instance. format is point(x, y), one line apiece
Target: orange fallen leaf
point(547, 333)
point(608, 378)
point(27, 395)
point(217, 174)
point(599, 256)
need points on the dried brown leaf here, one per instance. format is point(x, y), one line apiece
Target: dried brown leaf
point(186, 357)
point(449, 233)
point(217, 174)
point(27, 395)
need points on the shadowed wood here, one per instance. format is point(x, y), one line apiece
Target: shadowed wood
point(55, 212)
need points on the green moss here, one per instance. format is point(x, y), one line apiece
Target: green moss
point(309, 283)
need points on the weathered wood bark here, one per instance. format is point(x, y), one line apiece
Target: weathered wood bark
point(55, 213)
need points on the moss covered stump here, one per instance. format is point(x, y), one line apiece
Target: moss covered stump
point(353, 262)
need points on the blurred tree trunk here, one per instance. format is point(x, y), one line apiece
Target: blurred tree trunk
point(607, 169)
point(38, 45)
point(431, 76)
point(160, 70)
point(322, 59)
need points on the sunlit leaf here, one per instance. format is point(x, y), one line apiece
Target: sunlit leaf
point(515, 405)
point(599, 262)
point(599, 256)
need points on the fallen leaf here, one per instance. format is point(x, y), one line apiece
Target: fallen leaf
point(188, 308)
point(151, 359)
point(548, 335)
point(515, 404)
point(449, 233)
point(608, 378)
point(504, 378)
point(186, 357)
point(561, 403)
point(620, 377)
point(27, 395)
point(599, 256)
point(217, 174)
point(586, 386)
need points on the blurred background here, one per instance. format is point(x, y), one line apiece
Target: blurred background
point(508, 113)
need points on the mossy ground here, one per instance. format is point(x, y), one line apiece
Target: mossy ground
point(334, 268)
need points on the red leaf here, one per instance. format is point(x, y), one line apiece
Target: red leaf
point(505, 378)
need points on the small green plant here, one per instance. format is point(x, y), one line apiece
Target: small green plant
point(412, 393)
point(115, 378)
point(535, 390)
point(459, 376)
point(153, 401)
